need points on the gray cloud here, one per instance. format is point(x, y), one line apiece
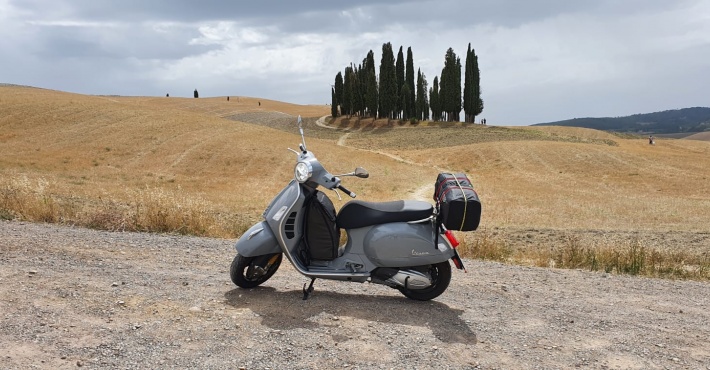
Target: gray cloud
point(541, 61)
point(117, 41)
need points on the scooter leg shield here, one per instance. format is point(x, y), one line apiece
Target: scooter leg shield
point(257, 241)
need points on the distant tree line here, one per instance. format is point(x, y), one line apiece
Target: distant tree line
point(396, 95)
point(696, 119)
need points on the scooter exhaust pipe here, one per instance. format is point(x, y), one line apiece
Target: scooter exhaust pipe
point(409, 279)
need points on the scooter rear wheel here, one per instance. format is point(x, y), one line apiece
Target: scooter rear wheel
point(440, 275)
point(250, 272)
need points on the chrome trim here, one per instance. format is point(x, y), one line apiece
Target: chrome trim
point(253, 234)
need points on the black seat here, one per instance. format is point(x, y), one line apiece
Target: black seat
point(356, 214)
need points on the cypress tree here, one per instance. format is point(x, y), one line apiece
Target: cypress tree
point(435, 101)
point(409, 80)
point(473, 105)
point(339, 90)
point(405, 98)
point(457, 91)
point(371, 95)
point(450, 92)
point(468, 93)
point(477, 102)
point(400, 80)
point(422, 102)
point(347, 104)
point(443, 91)
point(362, 86)
point(419, 103)
point(425, 88)
point(356, 95)
point(333, 105)
point(388, 83)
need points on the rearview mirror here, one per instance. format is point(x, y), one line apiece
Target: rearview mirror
point(361, 173)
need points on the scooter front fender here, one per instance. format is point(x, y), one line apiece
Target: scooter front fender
point(257, 241)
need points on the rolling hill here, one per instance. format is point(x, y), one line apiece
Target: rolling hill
point(687, 120)
point(92, 158)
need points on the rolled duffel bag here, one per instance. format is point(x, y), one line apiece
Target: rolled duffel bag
point(458, 204)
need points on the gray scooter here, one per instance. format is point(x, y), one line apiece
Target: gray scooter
point(398, 244)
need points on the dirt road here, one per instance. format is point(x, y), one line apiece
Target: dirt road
point(73, 297)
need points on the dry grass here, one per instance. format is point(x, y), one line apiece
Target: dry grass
point(632, 186)
point(379, 135)
point(634, 257)
point(191, 166)
point(704, 136)
point(158, 164)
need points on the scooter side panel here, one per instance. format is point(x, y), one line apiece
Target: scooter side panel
point(257, 241)
point(403, 244)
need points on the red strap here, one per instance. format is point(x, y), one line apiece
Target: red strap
point(454, 178)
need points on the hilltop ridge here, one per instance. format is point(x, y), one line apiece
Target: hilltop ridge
point(686, 120)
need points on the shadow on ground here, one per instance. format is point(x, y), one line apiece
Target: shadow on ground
point(287, 310)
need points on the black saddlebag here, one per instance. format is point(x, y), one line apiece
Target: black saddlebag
point(321, 234)
point(458, 204)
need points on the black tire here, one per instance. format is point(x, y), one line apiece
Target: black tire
point(440, 275)
point(250, 272)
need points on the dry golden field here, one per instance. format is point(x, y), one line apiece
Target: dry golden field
point(209, 166)
point(705, 136)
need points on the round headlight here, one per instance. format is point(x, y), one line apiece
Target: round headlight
point(303, 172)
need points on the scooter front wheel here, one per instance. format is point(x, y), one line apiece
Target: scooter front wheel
point(250, 272)
point(440, 276)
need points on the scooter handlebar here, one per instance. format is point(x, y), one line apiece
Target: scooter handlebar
point(346, 191)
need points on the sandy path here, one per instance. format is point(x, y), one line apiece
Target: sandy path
point(98, 299)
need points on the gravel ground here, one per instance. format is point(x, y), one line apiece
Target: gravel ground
point(72, 297)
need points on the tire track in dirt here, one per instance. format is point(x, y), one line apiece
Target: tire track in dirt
point(420, 193)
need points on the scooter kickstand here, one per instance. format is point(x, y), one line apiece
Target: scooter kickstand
point(309, 290)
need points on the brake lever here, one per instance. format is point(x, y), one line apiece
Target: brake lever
point(337, 193)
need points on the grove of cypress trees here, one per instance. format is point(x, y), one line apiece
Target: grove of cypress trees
point(361, 92)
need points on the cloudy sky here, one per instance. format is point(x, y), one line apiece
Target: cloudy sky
point(540, 61)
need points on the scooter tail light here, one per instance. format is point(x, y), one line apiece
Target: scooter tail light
point(452, 239)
